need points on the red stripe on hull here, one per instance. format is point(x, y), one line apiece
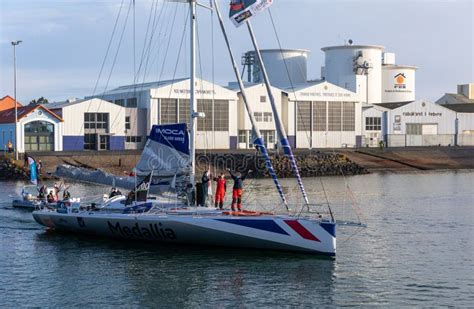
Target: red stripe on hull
point(301, 230)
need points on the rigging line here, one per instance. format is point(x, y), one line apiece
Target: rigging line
point(117, 51)
point(160, 37)
point(291, 82)
point(134, 86)
point(115, 59)
point(155, 25)
point(179, 54)
point(203, 101)
point(134, 50)
point(213, 76)
point(146, 36)
point(103, 63)
point(169, 41)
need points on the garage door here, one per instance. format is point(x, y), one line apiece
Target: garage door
point(429, 129)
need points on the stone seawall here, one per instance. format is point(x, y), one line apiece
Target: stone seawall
point(9, 170)
point(310, 165)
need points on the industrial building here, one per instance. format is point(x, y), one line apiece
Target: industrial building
point(168, 102)
point(465, 95)
point(38, 129)
point(418, 123)
point(91, 124)
point(370, 72)
point(322, 115)
point(362, 98)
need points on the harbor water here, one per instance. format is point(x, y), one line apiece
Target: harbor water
point(417, 250)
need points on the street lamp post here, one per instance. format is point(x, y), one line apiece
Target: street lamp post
point(14, 44)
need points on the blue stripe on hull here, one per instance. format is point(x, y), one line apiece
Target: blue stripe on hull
point(264, 225)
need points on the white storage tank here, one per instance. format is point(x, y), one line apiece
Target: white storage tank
point(357, 68)
point(281, 74)
point(398, 83)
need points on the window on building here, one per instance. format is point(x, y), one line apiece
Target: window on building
point(90, 141)
point(319, 116)
point(184, 115)
point(414, 129)
point(221, 115)
point(267, 117)
point(258, 116)
point(133, 139)
point(303, 116)
point(348, 116)
point(205, 106)
point(127, 123)
point(96, 121)
point(132, 102)
point(120, 102)
point(169, 111)
point(263, 99)
point(243, 136)
point(334, 116)
point(373, 124)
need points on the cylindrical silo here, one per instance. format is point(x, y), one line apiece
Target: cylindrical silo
point(398, 83)
point(284, 66)
point(357, 68)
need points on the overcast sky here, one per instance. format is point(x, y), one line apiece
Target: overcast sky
point(65, 41)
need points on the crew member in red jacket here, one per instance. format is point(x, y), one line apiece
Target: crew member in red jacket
point(238, 187)
point(220, 190)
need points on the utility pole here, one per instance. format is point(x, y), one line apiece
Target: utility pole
point(14, 44)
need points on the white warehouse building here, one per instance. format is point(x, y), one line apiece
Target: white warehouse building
point(369, 71)
point(168, 102)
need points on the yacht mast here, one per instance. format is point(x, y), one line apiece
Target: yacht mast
point(279, 125)
point(192, 99)
point(258, 142)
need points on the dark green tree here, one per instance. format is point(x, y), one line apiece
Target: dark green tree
point(41, 100)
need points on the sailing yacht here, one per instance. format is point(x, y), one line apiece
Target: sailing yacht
point(170, 149)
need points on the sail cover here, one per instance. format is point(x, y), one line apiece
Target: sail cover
point(241, 10)
point(166, 152)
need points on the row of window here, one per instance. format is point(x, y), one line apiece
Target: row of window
point(246, 137)
point(96, 121)
point(373, 124)
point(174, 110)
point(263, 117)
point(131, 102)
point(133, 139)
point(321, 116)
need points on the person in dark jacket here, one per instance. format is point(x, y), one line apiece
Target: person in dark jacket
point(237, 190)
point(206, 177)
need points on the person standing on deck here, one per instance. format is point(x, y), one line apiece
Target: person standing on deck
point(206, 178)
point(238, 187)
point(220, 190)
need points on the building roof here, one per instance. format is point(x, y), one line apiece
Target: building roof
point(458, 98)
point(460, 108)
point(393, 105)
point(8, 116)
point(8, 102)
point(147, 86)
point(353, 47)
point(61, 104)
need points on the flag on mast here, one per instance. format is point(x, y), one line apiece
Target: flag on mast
point(241, 10)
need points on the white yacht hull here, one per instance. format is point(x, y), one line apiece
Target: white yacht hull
point(212, 228)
